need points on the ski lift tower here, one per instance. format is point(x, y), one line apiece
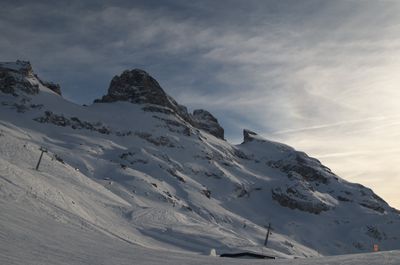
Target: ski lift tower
point(267, 236)
point(43, 150)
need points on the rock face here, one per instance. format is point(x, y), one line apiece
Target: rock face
point(248, 136)
point(13, 78)
point(204, 120)
point(53, 87)
point(310, 184)
point(22, 67)
point(300, 198)
point(137, 86)
point(18, 77)
point(305, 176)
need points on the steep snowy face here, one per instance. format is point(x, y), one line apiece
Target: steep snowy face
point(17, 77)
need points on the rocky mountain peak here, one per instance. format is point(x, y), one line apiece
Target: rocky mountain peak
point(14, 77)
point(137, 86)
point(19, 76)
point(21, 67)
point(249, 136)
point(206, 121)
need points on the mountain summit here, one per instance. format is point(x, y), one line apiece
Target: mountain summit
point(16, 77)
point(137, 86)
point(136, 167)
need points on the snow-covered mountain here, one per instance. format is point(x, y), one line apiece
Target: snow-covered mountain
point(137, 167)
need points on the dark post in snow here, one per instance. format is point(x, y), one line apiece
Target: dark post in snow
point(266, 237)
point(40, 158)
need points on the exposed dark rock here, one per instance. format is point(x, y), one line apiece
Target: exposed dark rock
point(242, 191)
point(240, 154)
point(377, 198)
point(394, 210)
point(299, 163)
point(13, 78)
point(74, 122)
point(137, 86)
point(59, 159)
point(123, 133)
point(343, 199)
point(204, 120)
point(7, 82)
point(53, 87)
point(206, 193)
point(373, 206)
point(308, 173)
point(174, 173)
point(373, 232)
point(23, 105)
point(248, 136)
point(22, 67)
point(296, 199)
point(19, 76)
point(158, 141)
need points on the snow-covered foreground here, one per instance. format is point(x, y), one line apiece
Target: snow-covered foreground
point(27, 237)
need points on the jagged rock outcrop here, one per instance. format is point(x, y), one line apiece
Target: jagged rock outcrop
point(73, 122)
point(52, 86)
point(305, 175)
point(310, 169)
point(248, 135)
point(301, 197)
point(204, 120)
point(13, 78)
point(137, 86)
point(18, 77)
point(21, 67)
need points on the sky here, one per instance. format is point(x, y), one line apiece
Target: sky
point(321, 76)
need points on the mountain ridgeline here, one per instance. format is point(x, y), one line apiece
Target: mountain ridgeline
point(137, 166)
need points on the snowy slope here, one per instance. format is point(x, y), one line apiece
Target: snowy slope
point(32, 238)
point(138, 172)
